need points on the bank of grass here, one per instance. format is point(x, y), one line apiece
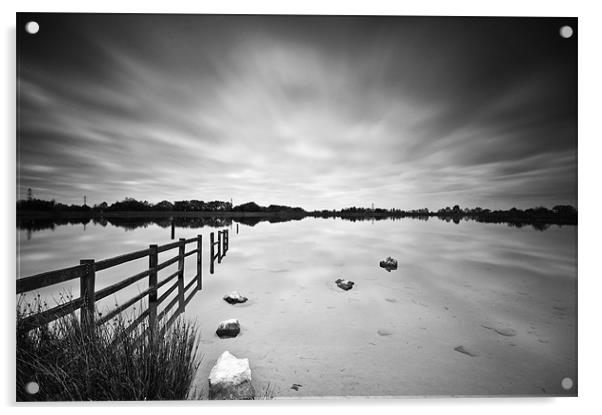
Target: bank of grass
point(114, 364)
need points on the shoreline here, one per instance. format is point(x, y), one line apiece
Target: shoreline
point(536, 221)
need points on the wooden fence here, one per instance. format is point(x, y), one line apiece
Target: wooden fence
point(222, 246)
point(87, 272)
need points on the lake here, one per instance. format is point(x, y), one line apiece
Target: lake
point(507, 295)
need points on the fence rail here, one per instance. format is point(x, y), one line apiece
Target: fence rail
point(87, 271)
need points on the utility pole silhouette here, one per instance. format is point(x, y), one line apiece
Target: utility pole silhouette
point(29, 194)
point(85, 199)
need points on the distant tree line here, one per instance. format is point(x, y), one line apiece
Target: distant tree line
point(539, 217)
point(559, 215)
point(132, 205)
point(127, 205)
point(254, 207)
point(39, 205)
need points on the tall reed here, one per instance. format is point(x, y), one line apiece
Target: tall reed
point(112, 364)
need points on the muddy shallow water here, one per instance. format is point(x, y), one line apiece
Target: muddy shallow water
point(472, 309)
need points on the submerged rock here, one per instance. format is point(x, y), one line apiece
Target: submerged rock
point(228, 328)
point(502, 331)
point(235, 298)
point(466, 351)
point(230, 378)
point(344, 284)
point(389, 264)
point(508, 332)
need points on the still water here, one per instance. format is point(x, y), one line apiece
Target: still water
point(507, 295)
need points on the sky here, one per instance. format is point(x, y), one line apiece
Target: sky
point(321, 112)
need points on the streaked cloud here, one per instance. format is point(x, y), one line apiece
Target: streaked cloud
point(321, 112)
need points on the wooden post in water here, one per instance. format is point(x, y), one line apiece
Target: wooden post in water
point(211, 252)
point(237, 228)
point(219, 246)
point(173, 230)
point(153, 261)
point(226, 241)
point(86, 290)
point(199, 261)
point(181, 262)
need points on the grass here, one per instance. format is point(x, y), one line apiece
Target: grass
point(112, 364)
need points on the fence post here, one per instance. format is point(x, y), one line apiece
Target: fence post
point(181, 273)
point(211, 252)
point(86, 289)
point(219, 246)
point(153, 261)
point(199, 261)
point(224, 242)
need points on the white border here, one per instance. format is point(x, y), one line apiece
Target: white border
point(590, 134)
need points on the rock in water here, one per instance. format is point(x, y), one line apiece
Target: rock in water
point(230, 378)
point(506, 332)
point(228, 328)
point(503, 331)
point(344, 284)
point(234, 298)
point(466, 351)
point(389, 264)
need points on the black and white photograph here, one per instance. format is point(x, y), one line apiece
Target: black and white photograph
point(261, 207)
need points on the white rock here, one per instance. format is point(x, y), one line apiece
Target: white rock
point(234, 294)
point(234, 297)
point(228, 322)
point(229, 370)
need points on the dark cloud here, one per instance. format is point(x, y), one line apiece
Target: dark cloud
point(322, 112)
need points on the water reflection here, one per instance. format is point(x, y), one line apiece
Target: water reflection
point(32, 225)
point(507, 294)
